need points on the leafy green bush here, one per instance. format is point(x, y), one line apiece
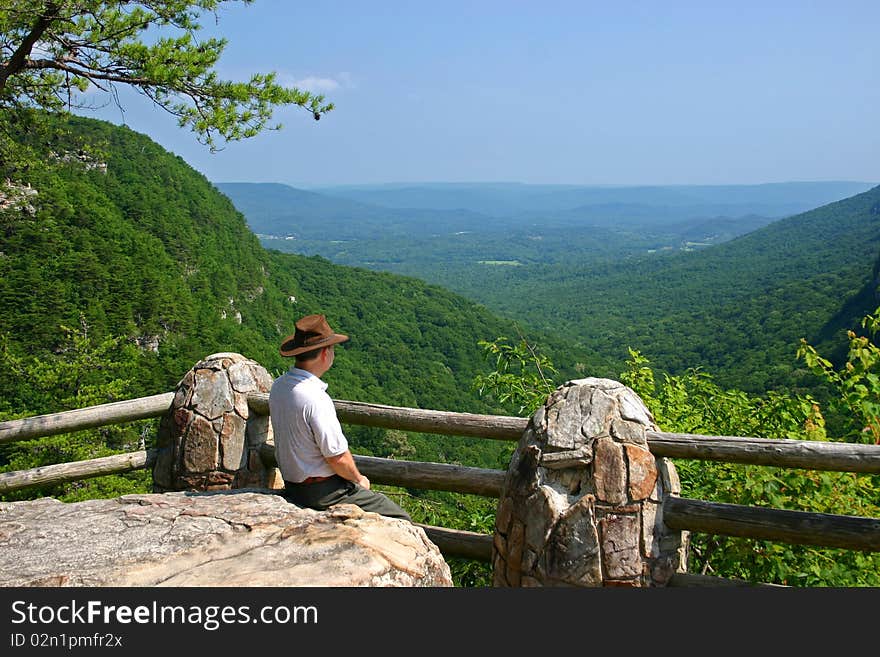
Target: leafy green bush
point(857, 382)
point(693, 403)
point(84, 372)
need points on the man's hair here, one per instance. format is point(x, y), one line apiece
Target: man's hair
point(306, 356)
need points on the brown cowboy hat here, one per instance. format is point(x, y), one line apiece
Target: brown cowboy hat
point(312, 332)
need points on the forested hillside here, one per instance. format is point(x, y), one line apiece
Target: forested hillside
point(147, 248)
point(128, 242)
point(736, 310)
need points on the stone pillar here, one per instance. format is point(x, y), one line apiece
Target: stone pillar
point(209, 439)
point(581, 504)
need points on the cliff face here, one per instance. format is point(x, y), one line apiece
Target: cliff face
point(232, 538)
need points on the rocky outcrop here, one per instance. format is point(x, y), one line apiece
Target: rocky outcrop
point(230, 538)
point(15, 197)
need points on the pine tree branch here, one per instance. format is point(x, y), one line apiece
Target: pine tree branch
point(18, 61)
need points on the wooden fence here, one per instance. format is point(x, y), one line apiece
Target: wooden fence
point(794, 527)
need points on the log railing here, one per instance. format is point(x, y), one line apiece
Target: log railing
point(795, 527)
point(91, 417)
point(807, 454)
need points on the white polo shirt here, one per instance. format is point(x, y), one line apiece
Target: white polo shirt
point(305, 425)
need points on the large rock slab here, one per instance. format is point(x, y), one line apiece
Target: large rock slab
point(228, 538)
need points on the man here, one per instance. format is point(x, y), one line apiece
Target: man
point(312, 452)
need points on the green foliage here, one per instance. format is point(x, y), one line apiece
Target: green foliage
point(857, 382)
point(694, 403)
point(83, 372)
point(520, 378)
point(138, 244)
point(51, 53)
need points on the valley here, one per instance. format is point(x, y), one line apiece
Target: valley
point(653, 269)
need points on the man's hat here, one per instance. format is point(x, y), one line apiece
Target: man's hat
point(312, 332)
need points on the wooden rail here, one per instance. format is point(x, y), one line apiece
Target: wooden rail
point(679, 513)
point(61, 473)
point(433, 476)
point(785, 453)
point(460, 543)
point(495, 427)
point(799, 527)
point(419, 474)
point(410, 474)
point(713, 581)
point(85, 418)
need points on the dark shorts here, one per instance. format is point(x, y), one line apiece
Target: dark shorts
point(337, 490)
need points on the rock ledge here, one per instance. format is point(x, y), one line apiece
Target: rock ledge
point(229, 538)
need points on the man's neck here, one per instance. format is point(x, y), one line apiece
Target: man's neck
point(312, 368)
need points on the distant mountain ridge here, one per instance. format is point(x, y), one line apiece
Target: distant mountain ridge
point(281, 210)
point(771, 199)
point(376, 212)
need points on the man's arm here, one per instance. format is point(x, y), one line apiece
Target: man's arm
point(344, 465)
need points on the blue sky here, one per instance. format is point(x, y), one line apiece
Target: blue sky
point(653, 92)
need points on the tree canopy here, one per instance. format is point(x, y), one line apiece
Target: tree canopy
point(54, 51)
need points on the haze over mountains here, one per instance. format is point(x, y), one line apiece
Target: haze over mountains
point(276, 209)
point(513, 199)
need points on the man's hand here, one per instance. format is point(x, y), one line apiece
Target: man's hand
point(344, 465)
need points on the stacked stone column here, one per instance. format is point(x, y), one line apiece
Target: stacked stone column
point(581, 503)
point(210, 439)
